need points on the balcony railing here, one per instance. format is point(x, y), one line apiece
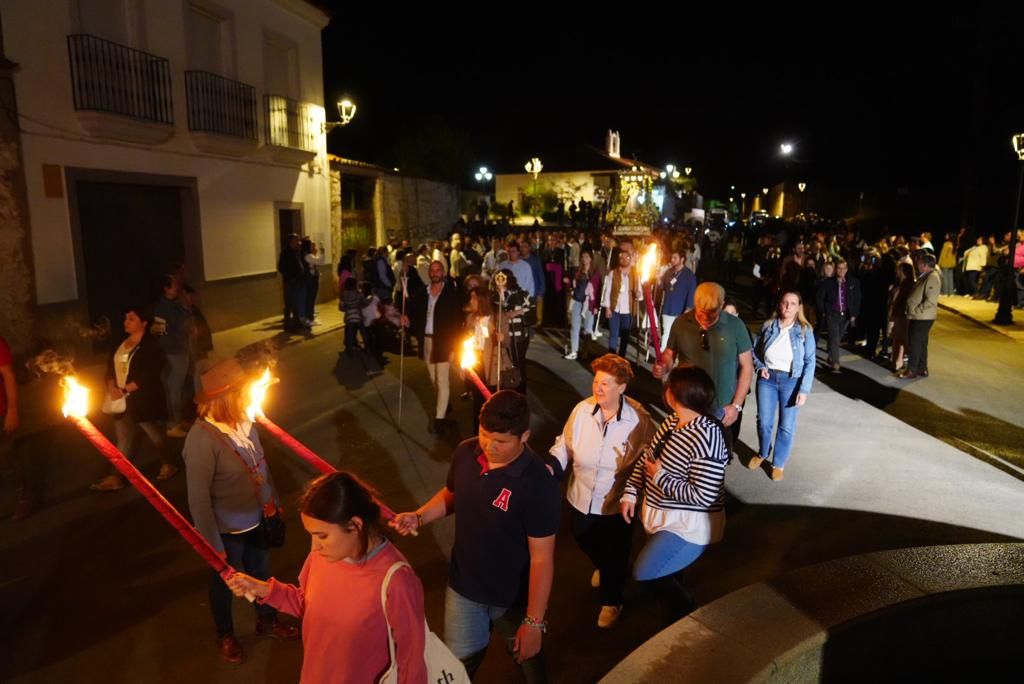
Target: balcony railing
point(108, 77)
point(289, 124)
point(220, 105)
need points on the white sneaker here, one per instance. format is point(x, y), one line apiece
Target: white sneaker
point(596, 335)
point(609, 616)
point(571, 356)
point(595, 579)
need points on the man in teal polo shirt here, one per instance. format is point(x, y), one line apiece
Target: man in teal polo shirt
point(717, 342)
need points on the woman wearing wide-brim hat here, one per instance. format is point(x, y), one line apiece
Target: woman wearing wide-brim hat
point(230, 492)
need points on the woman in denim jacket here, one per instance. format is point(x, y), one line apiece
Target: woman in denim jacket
point(784, 358)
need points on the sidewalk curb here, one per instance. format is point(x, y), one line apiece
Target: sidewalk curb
point(988, 324)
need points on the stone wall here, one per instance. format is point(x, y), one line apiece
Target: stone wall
point(16, 317)
point(416, 208)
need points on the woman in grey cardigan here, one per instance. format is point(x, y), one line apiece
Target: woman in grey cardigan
point(230, 491)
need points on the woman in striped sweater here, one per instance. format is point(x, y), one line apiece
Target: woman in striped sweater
point(682, 476)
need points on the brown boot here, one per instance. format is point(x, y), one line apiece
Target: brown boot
point(277, 630)
point(230, 649)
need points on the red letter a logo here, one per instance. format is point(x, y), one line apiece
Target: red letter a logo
point(502, 500)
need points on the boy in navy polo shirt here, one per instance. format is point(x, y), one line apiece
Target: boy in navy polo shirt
point(507, 507)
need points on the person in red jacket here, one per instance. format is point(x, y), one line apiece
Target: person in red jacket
point(344, 629)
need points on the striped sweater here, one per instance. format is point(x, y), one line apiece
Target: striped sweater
point(692, 474)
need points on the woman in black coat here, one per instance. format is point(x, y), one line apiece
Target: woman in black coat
point(134, 374)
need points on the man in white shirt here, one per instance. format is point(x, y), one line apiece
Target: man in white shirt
point(494, 257)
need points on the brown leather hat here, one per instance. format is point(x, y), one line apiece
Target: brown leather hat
point(226, 376)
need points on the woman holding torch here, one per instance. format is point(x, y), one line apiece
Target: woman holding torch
point(344, 625)
point(232, 497)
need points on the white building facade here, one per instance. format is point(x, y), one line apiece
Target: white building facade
point(155, 132)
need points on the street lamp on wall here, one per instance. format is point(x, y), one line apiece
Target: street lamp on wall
point(346, 112)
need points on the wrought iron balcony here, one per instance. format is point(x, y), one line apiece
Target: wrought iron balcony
point(290, 124)
point(220, 105)
point(116, 79)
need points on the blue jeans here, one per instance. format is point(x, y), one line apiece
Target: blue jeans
point(175, 373)
point(948, 285)
point(618, 339)
point(467, 632)
point(777, 395)
point(665, 553)
point(246, 555)
point(580, 313)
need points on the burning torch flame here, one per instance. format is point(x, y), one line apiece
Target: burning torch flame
point(468, 358)
point(76, 398)
point(257, 393)
point(649, 262)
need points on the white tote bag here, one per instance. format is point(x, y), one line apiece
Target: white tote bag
point(442, 665)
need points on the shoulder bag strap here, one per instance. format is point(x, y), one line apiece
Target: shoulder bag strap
point(395, 567)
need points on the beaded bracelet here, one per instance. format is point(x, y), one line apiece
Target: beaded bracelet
point(542, 625)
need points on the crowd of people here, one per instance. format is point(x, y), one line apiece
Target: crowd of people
point(359, 600)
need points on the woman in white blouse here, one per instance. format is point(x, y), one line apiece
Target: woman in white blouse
point(603, 438)
point(784, 358)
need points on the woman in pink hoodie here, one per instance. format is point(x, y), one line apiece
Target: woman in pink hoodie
point(344, 628)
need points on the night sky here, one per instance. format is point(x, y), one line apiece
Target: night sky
point(923, 107)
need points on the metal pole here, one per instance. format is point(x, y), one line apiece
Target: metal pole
point(1008, 297)
point(401, 349)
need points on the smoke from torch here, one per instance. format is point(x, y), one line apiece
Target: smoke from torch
point(51, 363)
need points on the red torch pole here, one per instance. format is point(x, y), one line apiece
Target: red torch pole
point(306, 454)
point(155, 498)
point(479, 383)
point(655, 338)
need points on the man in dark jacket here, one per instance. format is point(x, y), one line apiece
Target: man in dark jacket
point(293, 275)
point(435, 319)
point(839, 298)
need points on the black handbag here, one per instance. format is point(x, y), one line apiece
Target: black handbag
point(271, 530)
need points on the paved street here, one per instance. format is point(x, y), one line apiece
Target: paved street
point(98, 588)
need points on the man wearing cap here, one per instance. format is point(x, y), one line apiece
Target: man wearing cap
point(720, 344)
point(230, 493)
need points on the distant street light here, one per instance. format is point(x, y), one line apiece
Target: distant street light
point(346, 112)
point(483, 174)
point(786, 148)
point(535, 167)
point(1008, 297)
point(688, 170)
point(802, 186)
point(765, 191)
